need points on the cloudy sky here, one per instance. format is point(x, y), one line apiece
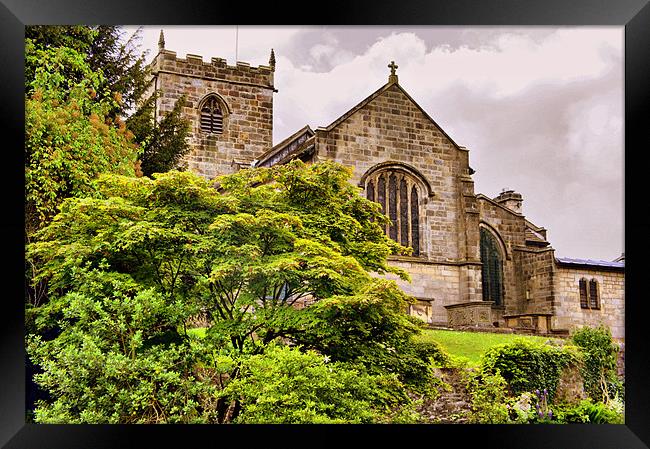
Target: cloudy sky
point(539, 108)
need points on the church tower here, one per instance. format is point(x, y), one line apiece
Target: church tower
point(230, 108)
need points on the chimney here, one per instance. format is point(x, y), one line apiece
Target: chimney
point(510, 199)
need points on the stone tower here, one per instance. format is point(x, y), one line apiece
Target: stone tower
point(230, 108)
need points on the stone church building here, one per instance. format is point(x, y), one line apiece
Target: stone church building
point(476, 262)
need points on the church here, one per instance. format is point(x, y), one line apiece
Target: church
point(477, 262)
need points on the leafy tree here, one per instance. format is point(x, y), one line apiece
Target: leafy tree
point(371, 328)
point(163, 143)
point(243, 256)
point(113, 360)
point(69, 137)
point(105, 49)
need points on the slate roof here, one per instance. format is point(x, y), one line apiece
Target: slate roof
point(291, 146)
point(590, 262)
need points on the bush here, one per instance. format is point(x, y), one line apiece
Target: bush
point(599, 368)
point(527, 366)
point(285, 386)
point(372, 330)
point(588, 411)
point(489, 393)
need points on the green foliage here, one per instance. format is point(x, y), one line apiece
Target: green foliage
point(587, 411)
point(528, 365)
point(599, 368)
point(329, 206)
point(371, 328)
point(128, 268)
point(117, 358)
point(69, 136)
point(105, 50)
point(489, 392)
point(288, 386)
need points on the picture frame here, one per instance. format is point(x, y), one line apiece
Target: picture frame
point(634, 15)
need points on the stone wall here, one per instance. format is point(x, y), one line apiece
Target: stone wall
point(391, 127)
point(248, 94)
point(536, 274)
point(568, 313)
point(510, 228)
point(433, 285)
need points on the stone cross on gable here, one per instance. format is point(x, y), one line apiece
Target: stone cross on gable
point(392, 78)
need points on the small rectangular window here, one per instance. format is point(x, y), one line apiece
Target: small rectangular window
point(593, 294)
point(583, 294)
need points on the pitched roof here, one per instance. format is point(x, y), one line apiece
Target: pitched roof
point(590, 262)
point(287, 147)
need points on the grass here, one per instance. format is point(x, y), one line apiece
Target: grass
point(198, 332)
point(471, 345)
point(468, 345)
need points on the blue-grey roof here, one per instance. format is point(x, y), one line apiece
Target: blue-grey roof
point(594, 262)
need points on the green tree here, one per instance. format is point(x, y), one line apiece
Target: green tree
point(243, 256)
point(106, 49)
point(69, 136)
point(164, 142)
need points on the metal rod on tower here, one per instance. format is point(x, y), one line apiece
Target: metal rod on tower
point(236, 43)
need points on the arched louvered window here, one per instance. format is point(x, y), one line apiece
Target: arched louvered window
point(212, 116)
point(492, 269)
point(397, 193)
point(584, 302)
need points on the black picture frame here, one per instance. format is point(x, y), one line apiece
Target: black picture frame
point(634, 15)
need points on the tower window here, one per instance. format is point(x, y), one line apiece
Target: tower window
point(211, 116)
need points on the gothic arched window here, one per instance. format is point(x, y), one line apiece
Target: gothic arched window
point(492, 270)
point(397, 192)
point(212, 115)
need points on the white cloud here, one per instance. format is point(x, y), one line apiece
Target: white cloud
point(537, 107)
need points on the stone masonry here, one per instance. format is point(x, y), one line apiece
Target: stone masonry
point(388, 132)
point(245, 92)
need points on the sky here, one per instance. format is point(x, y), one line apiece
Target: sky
point(539, 108)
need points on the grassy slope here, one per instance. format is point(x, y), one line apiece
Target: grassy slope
point(470, 345)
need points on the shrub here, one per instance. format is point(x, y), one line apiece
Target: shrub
point(599, 368)
point(489, 398)
point(527, 366)
point(588, 411)
point(372, 330)
point(285, 386)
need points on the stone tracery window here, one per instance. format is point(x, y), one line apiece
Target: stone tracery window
point(397, 193)
point(492, 269)
point(212, 115)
